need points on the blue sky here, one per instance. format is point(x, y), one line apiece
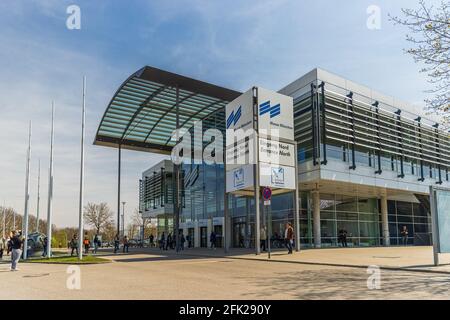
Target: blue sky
point(235, 44)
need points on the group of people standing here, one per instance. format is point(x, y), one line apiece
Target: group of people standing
point(125, 244)
point(288, 238)
point(97, 243)
point(73, 244)
point(169, 242)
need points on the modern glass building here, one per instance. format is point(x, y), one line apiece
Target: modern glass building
point(365, 162)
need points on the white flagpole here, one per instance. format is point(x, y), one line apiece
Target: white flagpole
point(50, 189)
point(38, 196)
point(80, 221)
point(27, 197)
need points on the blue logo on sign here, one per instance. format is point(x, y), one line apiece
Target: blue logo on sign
point(239, 179)
point(233, 118)
point(272, 110)
point(278, 176)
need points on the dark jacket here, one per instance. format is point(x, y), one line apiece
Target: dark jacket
point(74, 243)
point(16, 242)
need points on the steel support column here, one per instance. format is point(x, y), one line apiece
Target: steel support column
point(176, 168)
point(256, 176)
point(296, 204)
point(316, 218)
point(385, 221)
point(226, 224)
point(119, 167)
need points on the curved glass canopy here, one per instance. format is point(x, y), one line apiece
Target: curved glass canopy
point(145, 110)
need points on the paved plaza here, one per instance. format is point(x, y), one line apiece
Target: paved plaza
point(406, 273)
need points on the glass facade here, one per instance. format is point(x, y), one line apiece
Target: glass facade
point(415, 217)
point(330, 124)
point(202, 194)
point(359, 217)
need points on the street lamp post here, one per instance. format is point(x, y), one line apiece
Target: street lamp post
point(38, 196)
point(81, 199)
point(50, 188)
point(27, 198)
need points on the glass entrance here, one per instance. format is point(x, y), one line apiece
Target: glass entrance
point(190, 238)
point(219, 237)
point(242, 234)
point(239, 235)
point(203, 237)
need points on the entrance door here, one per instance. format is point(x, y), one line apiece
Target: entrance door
point(190, 240)
point(203, 237)
point(239, 235)
point(219, 237)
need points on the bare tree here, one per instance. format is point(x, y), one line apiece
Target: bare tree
point(109, 231)
point(430, 39)
point(99, 216)
point(137, 218)
point(137, 221)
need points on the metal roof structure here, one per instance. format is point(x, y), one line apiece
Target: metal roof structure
point(151, 104)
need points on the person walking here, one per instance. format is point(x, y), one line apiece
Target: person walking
point(263, 238)
point(116, 243)
point(344, 238)
point(96, 243)
point(2, 247)
point(45, 246)
point(404, 234)
point(182, 241)
point(126, 244)
point(86, 244)
point(289, 237)
point(162, 241)
point(212, 239)
point(188, 239)
point(151, 240)
point(16, 249)
point(168, 242)
point(74, 245)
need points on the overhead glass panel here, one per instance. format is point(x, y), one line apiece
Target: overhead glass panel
point(143, 113)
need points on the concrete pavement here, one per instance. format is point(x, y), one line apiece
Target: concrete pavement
point(408, 258)
point(151, 274)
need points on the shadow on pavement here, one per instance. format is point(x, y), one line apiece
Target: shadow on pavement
point(348, 284)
